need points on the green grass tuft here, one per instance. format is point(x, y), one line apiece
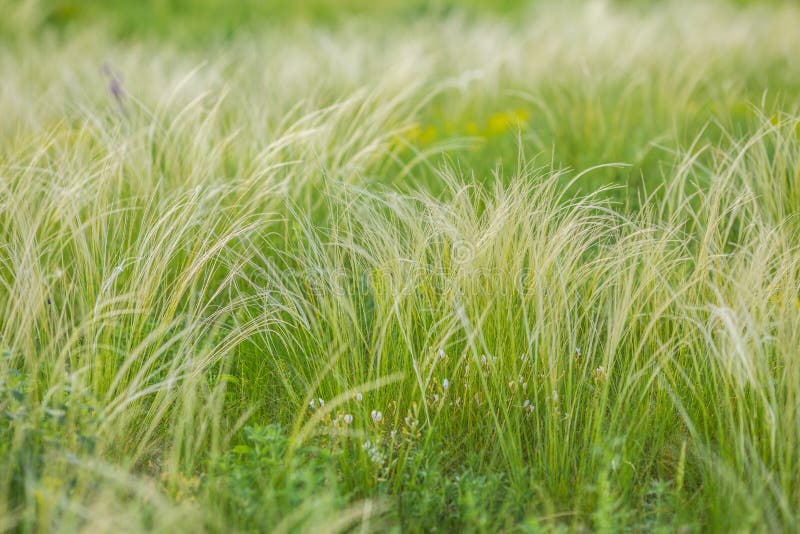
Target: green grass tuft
point(462, 268)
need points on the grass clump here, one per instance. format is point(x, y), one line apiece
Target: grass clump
point(446, 274)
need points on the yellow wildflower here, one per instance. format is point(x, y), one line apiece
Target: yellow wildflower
point(502, 122)
point(417, 134)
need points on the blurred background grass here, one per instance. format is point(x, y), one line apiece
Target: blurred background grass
point(585, 126)
point(201, 21)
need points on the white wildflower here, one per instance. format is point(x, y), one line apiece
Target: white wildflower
point(527, 406)
point(599, 374)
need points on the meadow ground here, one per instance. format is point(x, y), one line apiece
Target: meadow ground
point(461, 266)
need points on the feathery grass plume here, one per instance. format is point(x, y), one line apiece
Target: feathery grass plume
point(257, 297)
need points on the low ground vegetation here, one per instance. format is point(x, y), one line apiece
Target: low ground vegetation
point(457, 272)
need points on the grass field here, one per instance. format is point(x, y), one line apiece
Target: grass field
point(399, 266)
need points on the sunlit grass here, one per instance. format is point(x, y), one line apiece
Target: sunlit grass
point(447, 274)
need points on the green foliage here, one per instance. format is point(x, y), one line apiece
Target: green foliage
point(203, 21)
point(456, 268)
point(262, 482)
point(39, 441)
